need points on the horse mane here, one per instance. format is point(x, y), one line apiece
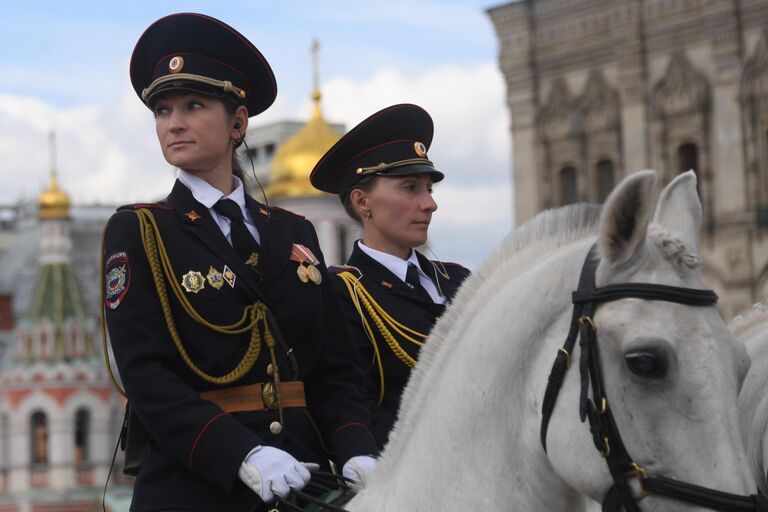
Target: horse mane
point(520, 249)
point(757, 314)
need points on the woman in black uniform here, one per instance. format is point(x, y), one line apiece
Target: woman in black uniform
point(238, 370)
point(391, 293)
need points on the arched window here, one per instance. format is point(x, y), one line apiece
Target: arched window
point(82, 435)
point(605, 179)
point(38, 439)
point(568, 185)
point(687, 159)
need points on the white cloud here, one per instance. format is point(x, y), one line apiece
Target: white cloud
point(108, 153)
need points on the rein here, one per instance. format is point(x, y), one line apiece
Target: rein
point(605, 433)
point(334, 490)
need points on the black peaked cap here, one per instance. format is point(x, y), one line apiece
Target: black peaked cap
point(392, 142)
point(197, 53)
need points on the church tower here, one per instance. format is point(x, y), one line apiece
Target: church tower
point(59, 416)
point(289, 185)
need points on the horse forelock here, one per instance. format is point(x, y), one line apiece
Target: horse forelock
point(672, 248)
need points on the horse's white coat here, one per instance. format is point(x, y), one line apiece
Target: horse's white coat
point(752, 329)
point(467, 437)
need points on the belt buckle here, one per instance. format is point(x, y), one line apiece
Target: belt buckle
point(269, 395)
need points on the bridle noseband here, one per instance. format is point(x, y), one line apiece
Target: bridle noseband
point(602, 425)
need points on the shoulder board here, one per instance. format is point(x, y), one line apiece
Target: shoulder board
point(278, 209)
point(344, 268)
point(138, 206)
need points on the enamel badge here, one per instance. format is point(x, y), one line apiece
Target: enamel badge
point(192, 215)
point(214, 278)
point(229, 276)
point(117, 279)
point(193, 281)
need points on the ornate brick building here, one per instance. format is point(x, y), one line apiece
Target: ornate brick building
point(59, 416)
point(601, 88)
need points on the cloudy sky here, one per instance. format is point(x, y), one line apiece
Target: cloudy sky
point(64, 67)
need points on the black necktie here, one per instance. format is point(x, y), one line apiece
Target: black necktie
point(242, 241)
point(412, 278)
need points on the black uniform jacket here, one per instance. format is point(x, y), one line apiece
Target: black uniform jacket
point(195, 451)
point(405, 306)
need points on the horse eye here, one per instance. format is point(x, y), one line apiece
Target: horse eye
point(646, 364)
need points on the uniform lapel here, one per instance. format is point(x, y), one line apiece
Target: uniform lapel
point(198, 222)
point(445, 285)
point(275, 242)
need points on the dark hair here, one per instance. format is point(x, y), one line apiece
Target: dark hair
point(365, 184)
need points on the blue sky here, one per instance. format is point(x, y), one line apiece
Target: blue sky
point(64, 67)
point(71, 53)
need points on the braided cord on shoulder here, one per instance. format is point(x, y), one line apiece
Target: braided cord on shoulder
point(362, 299)
point(253, 313)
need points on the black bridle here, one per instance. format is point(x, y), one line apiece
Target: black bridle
point(602, 425)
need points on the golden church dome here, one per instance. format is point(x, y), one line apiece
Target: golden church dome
point(297, 156)
point(53, 203)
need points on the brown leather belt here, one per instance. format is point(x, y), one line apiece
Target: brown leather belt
point(257, 397)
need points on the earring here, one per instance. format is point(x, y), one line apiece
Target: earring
point(239, 140)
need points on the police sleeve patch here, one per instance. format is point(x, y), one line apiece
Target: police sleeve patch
point(117, 279)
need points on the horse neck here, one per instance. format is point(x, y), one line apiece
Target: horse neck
point(471, 415)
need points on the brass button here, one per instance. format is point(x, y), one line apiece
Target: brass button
point(270, 370)
point(275, 427)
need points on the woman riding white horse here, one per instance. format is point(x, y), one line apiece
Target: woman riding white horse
point(467, 437)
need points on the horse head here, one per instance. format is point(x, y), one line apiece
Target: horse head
point(671, 371)
point(469, 427)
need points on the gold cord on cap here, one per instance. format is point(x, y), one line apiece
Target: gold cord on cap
point(392, 165)
point(225, 85)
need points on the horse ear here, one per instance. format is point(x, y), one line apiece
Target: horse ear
point(625, 218)
point(679, 209)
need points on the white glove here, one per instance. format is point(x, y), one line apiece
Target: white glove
point(269, 471)
point(358, 469)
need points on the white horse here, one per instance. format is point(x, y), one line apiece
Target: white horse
point(752, 329)
point(467, 437)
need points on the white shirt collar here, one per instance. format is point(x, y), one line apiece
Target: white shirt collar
point(394, 264)
point(207, 195)
point(399, 267)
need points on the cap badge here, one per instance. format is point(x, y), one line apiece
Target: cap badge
point(176, 63)
point(420, 148)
